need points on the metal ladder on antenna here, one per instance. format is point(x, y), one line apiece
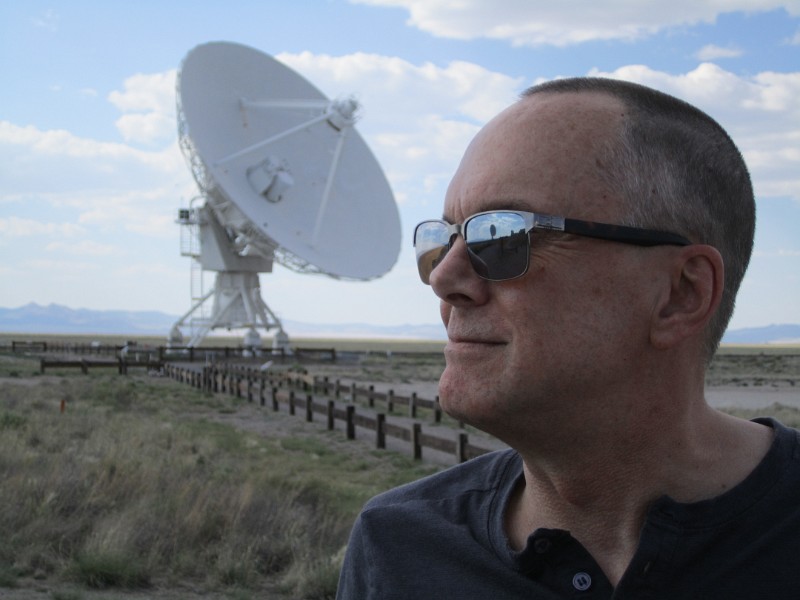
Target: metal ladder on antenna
point(190, 239)
point(197, 289)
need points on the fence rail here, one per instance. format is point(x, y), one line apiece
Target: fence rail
point(121, 364)
point(297, 393)
point(176, 353)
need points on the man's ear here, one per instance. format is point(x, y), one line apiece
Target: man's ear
point(696, 280)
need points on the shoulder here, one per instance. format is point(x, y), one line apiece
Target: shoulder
point(786, 443)
point(400, 535)
point(484, 474)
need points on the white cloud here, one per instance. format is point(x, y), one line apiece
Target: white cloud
point(761, 113)
point(147, 93)
point(58, 142)
point(795, 39)
point(418, 119)
point(60, 269)
point(398, 89)
point(100, 187)
point(37, 161)
point(712, 52)
point(82, 248)
point(22, 227)
point(538, 22)
point(146, 128)
point(148, 106)
point(49, 20)
point(144, 212)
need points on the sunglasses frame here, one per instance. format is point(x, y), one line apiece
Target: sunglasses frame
point(534, 221)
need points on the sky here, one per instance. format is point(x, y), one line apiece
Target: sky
point(92, 177)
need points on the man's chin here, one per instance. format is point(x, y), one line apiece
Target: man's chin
point(459, 400)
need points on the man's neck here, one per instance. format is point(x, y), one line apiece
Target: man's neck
point(599, 488)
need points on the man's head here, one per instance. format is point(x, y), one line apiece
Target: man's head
point(576, 322)
point(677, 170)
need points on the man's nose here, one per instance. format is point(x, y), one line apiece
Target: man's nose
point(454, 279)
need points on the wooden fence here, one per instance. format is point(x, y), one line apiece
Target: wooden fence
point(177, 353)
point(297, 393)
point(122, 364)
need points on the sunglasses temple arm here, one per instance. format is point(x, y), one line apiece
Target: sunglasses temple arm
point(620, 233)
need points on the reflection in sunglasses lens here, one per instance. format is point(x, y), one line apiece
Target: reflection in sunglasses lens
point(431, 245)
point(497, 245)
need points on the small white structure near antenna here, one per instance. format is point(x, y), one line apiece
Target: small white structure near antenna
point(283, 177)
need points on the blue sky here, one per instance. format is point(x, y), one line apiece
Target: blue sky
point(91, 176)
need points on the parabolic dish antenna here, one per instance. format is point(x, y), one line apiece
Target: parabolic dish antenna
point(285, 177)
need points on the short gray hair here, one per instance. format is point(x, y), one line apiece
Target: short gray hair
point(678, 170)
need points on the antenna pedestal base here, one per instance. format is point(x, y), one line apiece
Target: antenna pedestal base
point(237, 304)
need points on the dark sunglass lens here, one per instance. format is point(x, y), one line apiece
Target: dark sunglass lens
point(431, 245)
point(498, 245)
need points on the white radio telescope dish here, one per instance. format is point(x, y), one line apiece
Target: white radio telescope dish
point(284, 177)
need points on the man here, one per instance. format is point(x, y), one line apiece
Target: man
point(582, 342)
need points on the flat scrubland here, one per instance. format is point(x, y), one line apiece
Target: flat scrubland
point(139, 487)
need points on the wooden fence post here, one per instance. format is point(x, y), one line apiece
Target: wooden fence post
point(380, 433)
point(461, 447)
point(309, 408)
point(416, 432)
point(275, 399)
point(351, 424)
point(353, 392)
point(371, 396)
point(412, 405)
point(437, 410)
point(331, 415)
point(390, 401)
point(291, 402)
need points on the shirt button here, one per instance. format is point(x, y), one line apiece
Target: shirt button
point(582, 581)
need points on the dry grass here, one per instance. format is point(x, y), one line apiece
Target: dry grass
point(135, 485)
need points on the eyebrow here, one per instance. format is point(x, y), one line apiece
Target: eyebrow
point(510, 204)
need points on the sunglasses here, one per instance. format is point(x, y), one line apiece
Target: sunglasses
point(499, 244)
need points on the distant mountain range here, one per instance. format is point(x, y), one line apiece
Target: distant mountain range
point(57, 319)
point(770, 334)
